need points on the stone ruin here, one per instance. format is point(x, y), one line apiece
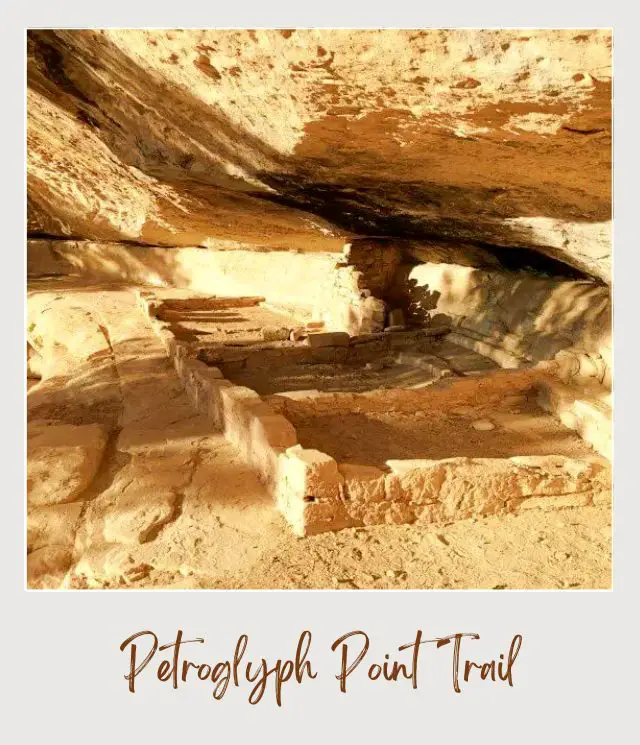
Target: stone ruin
point(274, 384)
point(393, 313)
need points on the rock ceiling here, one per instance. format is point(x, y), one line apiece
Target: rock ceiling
point(305, 139)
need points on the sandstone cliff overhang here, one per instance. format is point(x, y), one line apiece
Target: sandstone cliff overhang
point(305, 139)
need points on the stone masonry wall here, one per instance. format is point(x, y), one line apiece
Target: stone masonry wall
point(315, 493)
point(354, 300)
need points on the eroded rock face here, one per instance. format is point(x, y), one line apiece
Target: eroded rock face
point(307, 138)
point(175, 504)
point(62, 460)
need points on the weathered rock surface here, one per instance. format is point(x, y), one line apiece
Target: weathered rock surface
point(53, 525)
point(183, 137)
point(47, 566)
point(514, 318)
point(62, 460)
point(224, 530)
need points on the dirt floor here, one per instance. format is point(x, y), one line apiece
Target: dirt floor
point(410, 370)
point(332, 377)
point(513, 425)
point(172, 505)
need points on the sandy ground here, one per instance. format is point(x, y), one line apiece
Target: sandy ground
point(371, 437)
point(212, 523)
point(336, 377)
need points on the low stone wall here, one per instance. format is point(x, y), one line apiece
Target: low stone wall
point(319, 347)
point(259, 433)
point(519, 319)
point(431, 490)
point(315, 493)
